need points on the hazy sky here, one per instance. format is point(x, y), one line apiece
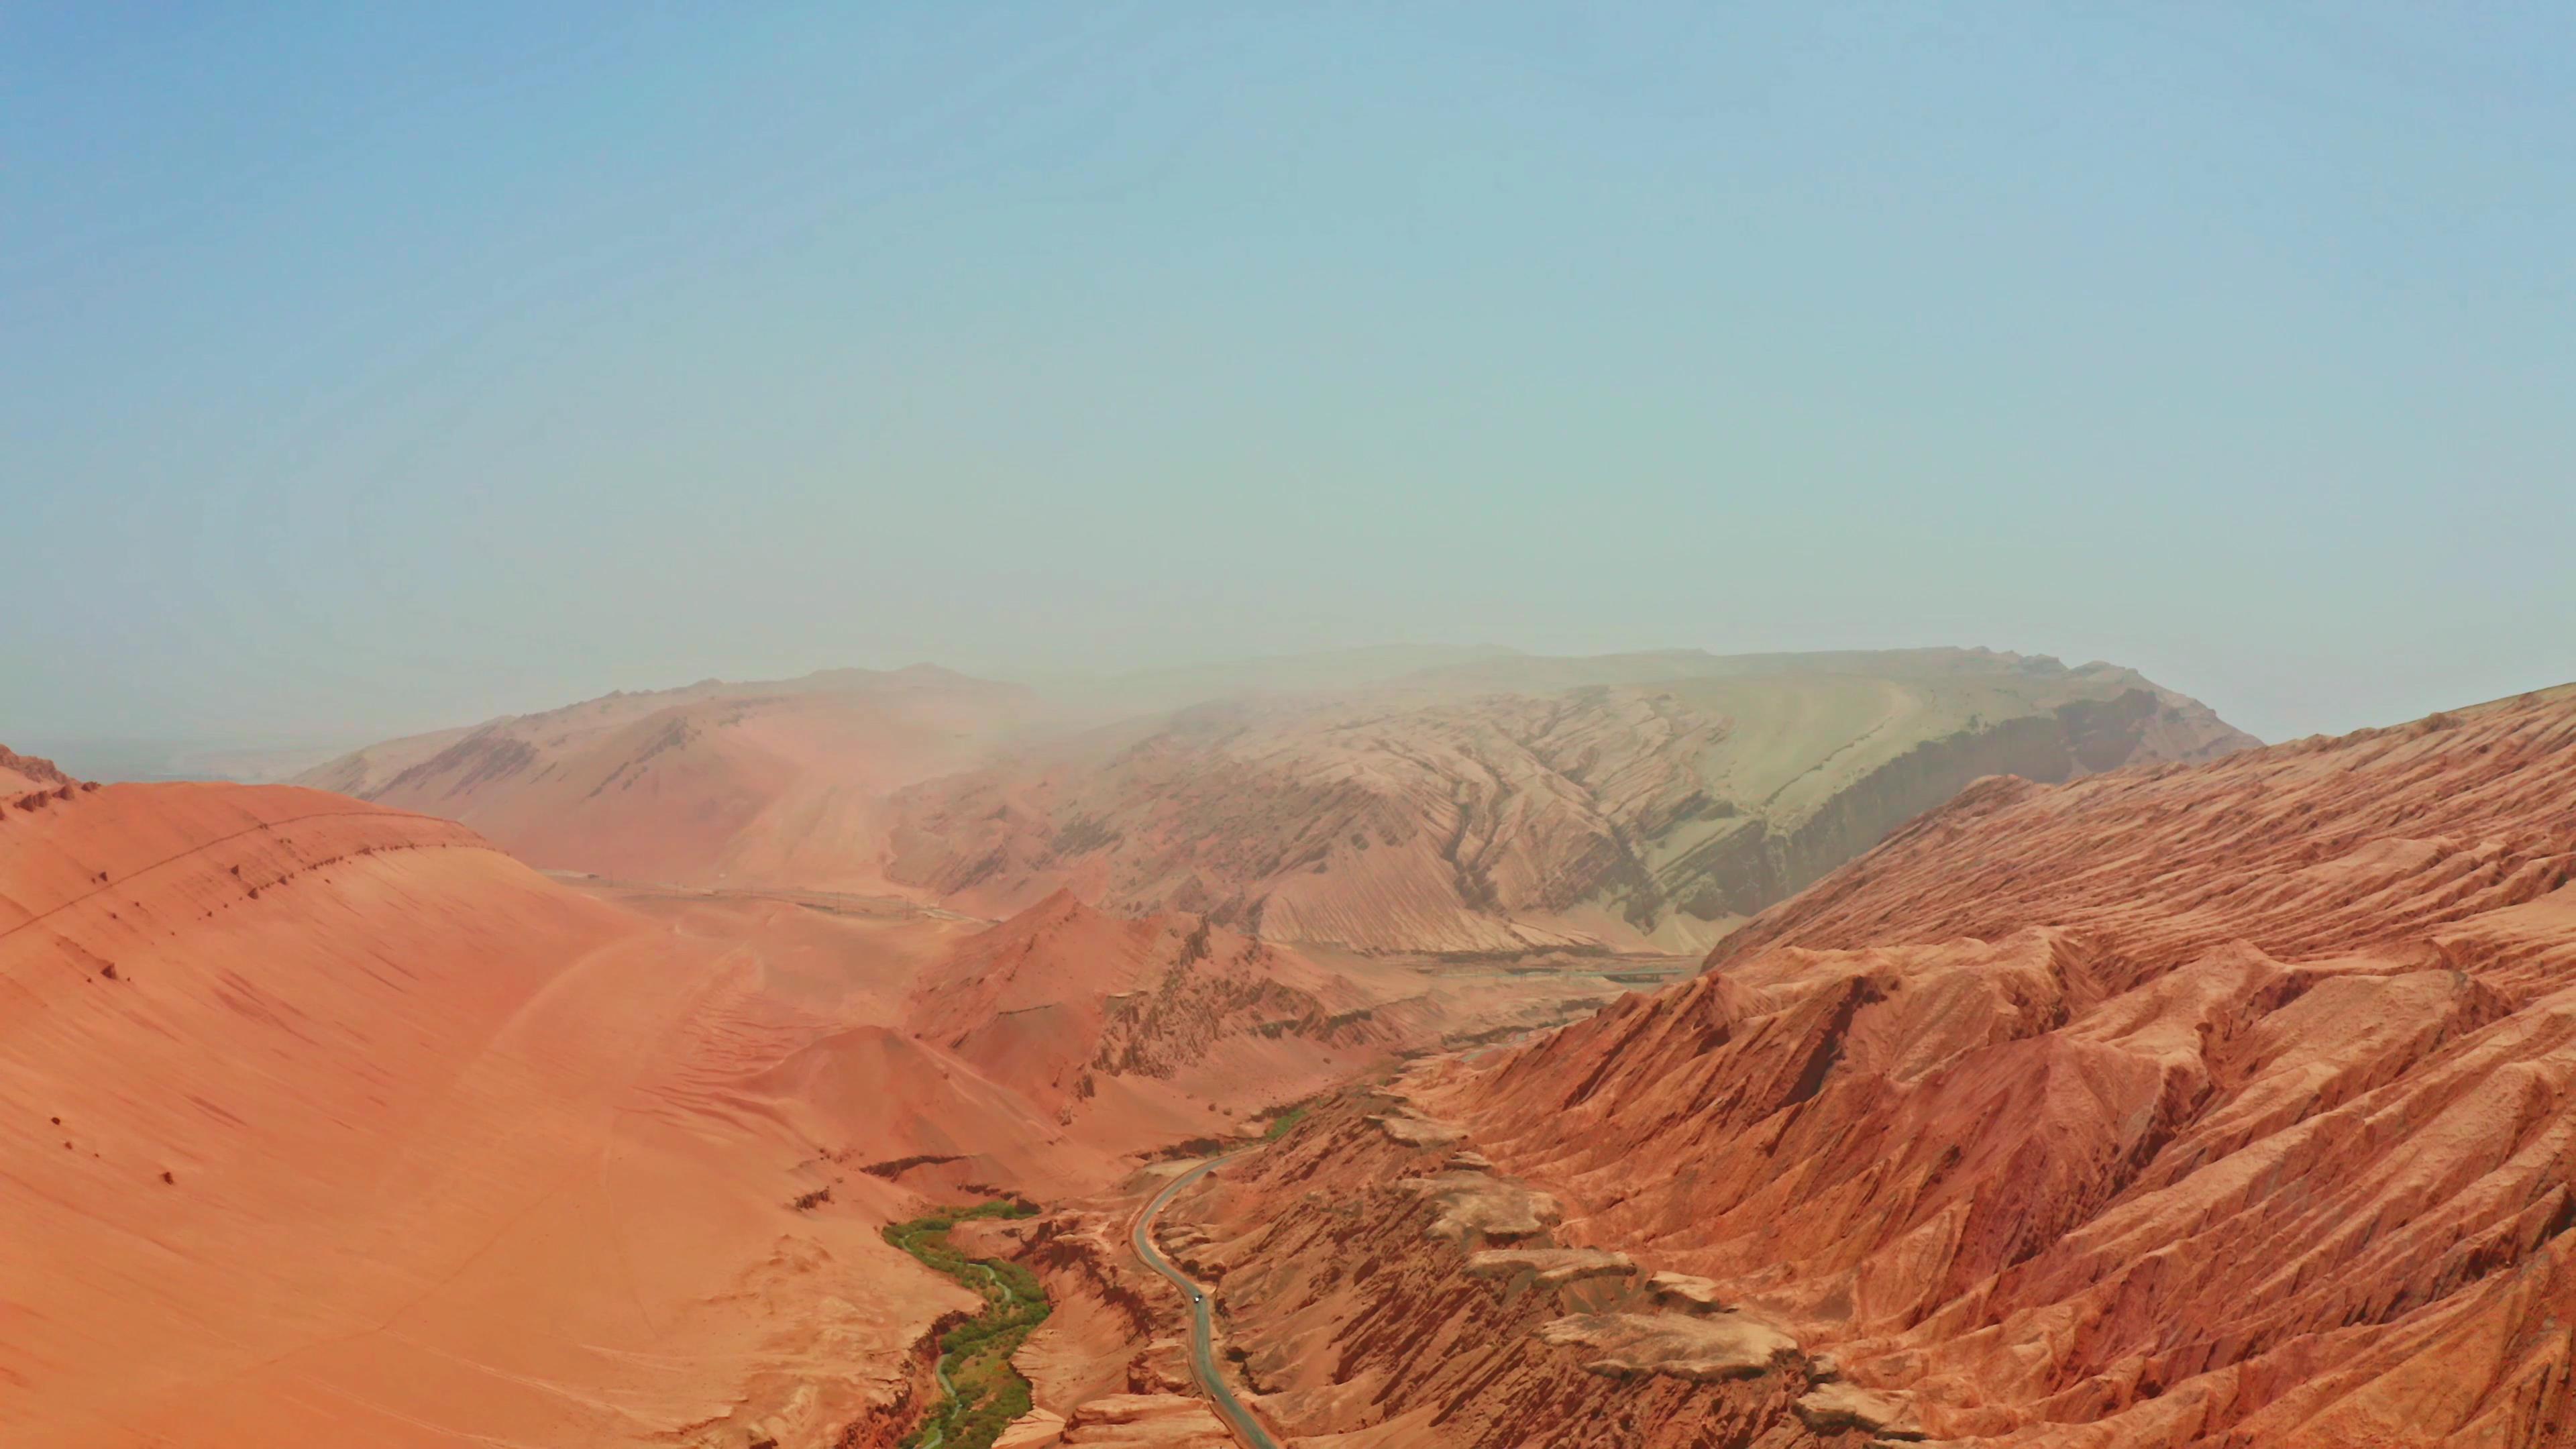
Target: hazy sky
point(362, 373)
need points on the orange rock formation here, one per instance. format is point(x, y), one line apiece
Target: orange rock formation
point(1637, 802)
point(325, 1123)
point(1087, 1015)
point(1505, 803)
point(2180, 1105)
point(22, 773)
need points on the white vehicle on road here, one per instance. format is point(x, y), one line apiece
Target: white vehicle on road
point(1203, 1364)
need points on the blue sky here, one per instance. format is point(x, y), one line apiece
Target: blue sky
point(364, 372)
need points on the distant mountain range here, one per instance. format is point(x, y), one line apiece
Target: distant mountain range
point(1453, 801)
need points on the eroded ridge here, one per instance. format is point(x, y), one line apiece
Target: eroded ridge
point(2217, 1104)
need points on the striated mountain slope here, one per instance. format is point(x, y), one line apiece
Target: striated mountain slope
point(323, 1123)
point(764, 783)
point(1123, 1036)
point(2222, 1104)
point(1085, 1014)
point(1464, 801)
point(1513, 803)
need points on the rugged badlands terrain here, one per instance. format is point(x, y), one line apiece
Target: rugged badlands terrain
point(1490, 803)
point(325, 1123)
point(2217, 1104)
point(1634, 802)
point(326, 1119)
point(22, 773)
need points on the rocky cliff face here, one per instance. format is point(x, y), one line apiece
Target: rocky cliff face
point(1748, 870)
point(21, 773)
point(1378, 1277)
point(2225, 1104)
point(1439, 816)
point(1109, 1366)
point(1088, 1016)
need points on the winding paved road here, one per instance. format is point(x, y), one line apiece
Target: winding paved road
point(1202, 1331)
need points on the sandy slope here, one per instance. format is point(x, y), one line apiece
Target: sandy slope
point(326, 1123)
point(776, 783)
point(321, 1124)
point(1049, 1052)
point(1136, 1032)
point(2222, 1104)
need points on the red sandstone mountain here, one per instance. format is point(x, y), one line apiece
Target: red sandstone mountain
point(322, 1123)
point(327, 1123)
point(763, 783)
point(1514, 803)
point(1488, 802)
point(2221, 1104)
point(1122, 1036)
point(1091, 1016)
point(22, 773)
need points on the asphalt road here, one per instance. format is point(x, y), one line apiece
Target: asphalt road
point(1202, 1330)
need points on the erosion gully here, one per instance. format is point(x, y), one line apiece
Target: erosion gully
point(980, 1392)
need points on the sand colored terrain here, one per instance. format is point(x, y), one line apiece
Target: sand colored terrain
point(1457, 801)
point(1517, 803)
point(2175, 1106)
point(1123, 1421)
point(778, 783)
point(22, 773)
point(1116, 1038)
point(1164, 1020)
point(323, 1122)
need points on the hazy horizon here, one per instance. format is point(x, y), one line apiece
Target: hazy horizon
point(280, 755)
point(374, 374)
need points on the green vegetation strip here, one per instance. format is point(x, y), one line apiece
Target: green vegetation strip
point(984, 1393)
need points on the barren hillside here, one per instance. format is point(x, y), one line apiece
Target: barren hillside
point(2180, 1105)
point(323, 1122)
point(765, 783)
point(1519, 803)
point(22, 773)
